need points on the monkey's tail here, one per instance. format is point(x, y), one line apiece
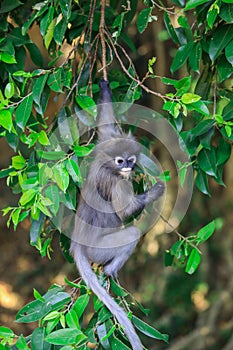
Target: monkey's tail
point(92, 282)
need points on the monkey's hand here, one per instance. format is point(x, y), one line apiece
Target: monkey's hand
point(155, 192)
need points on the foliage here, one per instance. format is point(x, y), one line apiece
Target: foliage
point(45, 170)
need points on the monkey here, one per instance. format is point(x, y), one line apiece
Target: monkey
point(107, 200)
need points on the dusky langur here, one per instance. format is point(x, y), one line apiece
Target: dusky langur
point(107, 201)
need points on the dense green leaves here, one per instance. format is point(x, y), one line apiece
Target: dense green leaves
point(221, 38)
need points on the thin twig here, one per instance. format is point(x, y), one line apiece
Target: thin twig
point(186, 239)
point(102, 38)
point(165, 9)
point(164, 98)
point(215, 97)
point(81, 69)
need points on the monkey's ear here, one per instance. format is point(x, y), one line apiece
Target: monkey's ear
point(106, 119)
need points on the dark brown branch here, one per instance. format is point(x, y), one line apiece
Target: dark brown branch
point(102, 38)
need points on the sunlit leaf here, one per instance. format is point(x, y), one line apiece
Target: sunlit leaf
point(206, 232)
point(193, 261)
point(6, 119)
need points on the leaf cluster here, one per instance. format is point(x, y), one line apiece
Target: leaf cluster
point(61, 321)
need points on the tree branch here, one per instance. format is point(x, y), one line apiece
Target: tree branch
point(102, 38)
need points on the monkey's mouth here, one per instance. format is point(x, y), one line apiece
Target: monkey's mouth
point(125, 172)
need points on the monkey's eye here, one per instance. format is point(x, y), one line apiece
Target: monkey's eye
point(119, 161)
point(132, 159)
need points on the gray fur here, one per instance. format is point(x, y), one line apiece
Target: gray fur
point(107, 200)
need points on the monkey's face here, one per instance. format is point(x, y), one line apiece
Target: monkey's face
point(125, 165)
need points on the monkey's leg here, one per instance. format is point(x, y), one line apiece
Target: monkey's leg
point(121, 253)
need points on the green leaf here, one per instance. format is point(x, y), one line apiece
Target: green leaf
point(6, 119)
point(224, 69)
point(7, 6)
point(203, 127)
point(148, 164)
point(61, 176)
point(87, 103)
point(213, 12)
point(65, 6)
point(221, 38)
point(190, 98)
point(6, 332)
point(38, 340)
point(52, 192)
point(181, 56)
point(195, 57)
point(23, 112)
point(83, 151)
point(148, 330)
point(21, 343)
point(143, 19)
point(49, 33)
point(35, 54)
point(229, 52)
point(223, 151)
point(59, 30)
point(117, 290)
point(18, 162)
point(67, 126)
point(191, 4)
point(52, 315)
point(33, 311)
point(9, 90)
point(54, 81)
point(66, 336)
point(72, 319)
point(28, 196)
point(43, 138)
point(5, 172)
point(15, 217)
point(73, 170)
point(81, 304)
point(5, 57)
point(193, 261)
point(116, 344)
point(202, 182)
point(51, 155)
point(226, 12)
point(206, 232)
point(170, 28)
point(228, 130)
point(38, 88)
point(200, 107)
point(36, 229)
point(207, 161)
point(33, 17)
point(46, 20)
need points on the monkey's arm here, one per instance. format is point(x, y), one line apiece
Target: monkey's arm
point(126, 203)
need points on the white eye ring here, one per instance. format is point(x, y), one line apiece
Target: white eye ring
point(132, 159)
point(119, 160)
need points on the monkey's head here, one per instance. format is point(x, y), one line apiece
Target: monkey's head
point(119, 155)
